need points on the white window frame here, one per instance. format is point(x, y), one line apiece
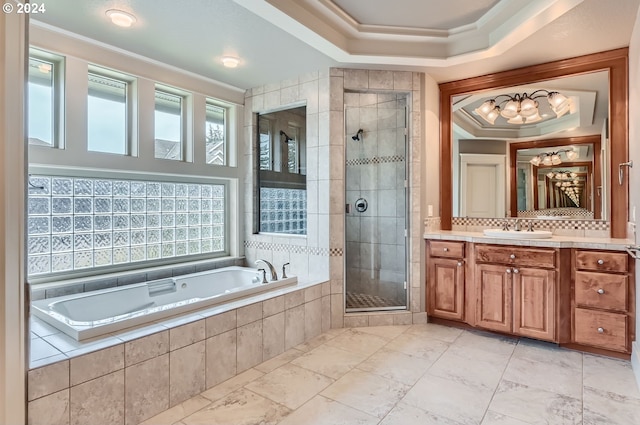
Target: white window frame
point(58, 71)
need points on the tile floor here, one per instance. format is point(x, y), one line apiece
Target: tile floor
point(419, 374)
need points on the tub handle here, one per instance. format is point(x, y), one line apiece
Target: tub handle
point(284, 271)
point(264, 275)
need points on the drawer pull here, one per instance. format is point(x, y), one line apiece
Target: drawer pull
point(516, 271)
point(600, 330)
point(600, 291)
point(459, 263)
point(512, 256)
point(508, 271)
point(445, 249)
point(601, 261)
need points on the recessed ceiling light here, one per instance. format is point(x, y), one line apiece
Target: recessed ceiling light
point(121, 18)
point(230, 61)
point(45, 68)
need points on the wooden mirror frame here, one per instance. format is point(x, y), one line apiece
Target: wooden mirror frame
point(616, 62)
point(549, 143)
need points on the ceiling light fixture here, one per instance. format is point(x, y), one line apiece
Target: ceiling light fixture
point(522, 108)
point(121, 18)
point(45, 68)
point(553, 158)
point(230, 61)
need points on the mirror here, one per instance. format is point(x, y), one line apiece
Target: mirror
point(482, 145)
point(608, 67)
point(282, 169)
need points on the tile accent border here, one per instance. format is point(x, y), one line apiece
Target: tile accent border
point(539, 224)
point(376, 160)
point(295, 249)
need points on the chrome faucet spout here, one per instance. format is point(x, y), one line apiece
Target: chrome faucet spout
point(272, 270)
point(516, 226)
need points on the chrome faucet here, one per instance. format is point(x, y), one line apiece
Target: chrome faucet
point(530, 226)
point(516, 227)
point(274, 275)
point(505, 224)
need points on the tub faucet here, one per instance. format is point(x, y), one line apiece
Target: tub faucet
point(516, 226)
point(274, 275)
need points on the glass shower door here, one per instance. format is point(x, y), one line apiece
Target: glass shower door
point(376, 216)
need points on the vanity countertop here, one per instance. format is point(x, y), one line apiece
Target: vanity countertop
point(553, 242)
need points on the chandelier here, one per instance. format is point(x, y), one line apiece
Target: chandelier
point(562, 175)
point(553, 158)
point(522, 108)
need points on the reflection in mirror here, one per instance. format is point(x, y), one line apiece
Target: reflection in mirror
point(486, 124)
point(282, 165)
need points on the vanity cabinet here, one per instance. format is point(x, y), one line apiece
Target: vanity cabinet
point(446, 277)
point(515, 290)
point(602, 307)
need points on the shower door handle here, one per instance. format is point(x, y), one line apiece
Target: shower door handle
point(347, 208)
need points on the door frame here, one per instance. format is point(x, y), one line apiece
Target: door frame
point(499, 161)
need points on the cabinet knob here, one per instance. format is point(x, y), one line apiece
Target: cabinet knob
point(601, 261)
point(600, 291)
point(459, 263)
point(512, 256)
point(446, 249)
point(600, 330)
point(508, 271)
point(516, 271)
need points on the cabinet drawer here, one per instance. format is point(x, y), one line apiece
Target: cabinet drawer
point(447, 249)
point(601, 290)
point(532, 257)
point(602, 261)
point(601, 329)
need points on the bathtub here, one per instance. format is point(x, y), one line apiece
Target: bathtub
point(96, 313)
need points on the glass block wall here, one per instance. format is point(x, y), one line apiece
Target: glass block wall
point(79, 223)
point(283, 210)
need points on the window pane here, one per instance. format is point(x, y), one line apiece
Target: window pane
point(41, 102)
point(168, 126)
point(265, 144)
point(107, 115)
point(215, 133)
point(292, 150)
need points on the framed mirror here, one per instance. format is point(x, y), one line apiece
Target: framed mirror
point(543, 77)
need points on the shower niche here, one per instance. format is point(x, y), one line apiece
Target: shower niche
point(376, 207)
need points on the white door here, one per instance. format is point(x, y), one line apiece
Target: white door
point(482, 181)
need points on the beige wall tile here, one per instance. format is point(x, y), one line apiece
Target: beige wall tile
point(145, 348)
point(96, 364)
point(380, 320)
point(99, 401)
point(326, 313)
point(48, 379)
point(403, 318)
point(355, 79)
point(356, 321)
point(293, 327)
point(337, 284)
point(293, 299)
point(220, 323)
point(337, 311)
point(220, 357)
point(312, 319)
point(146, 389)
point(420, 318)
point(273, 306)
point(312, 293)
point(272, 336)
point(186, 334)
point(335, 90)
point(381, 80)
point(249, 314)
point(402, 80)
point(186, 372)
point(50, 410)
point(326, 287)
point(249, 348)
point(230, 385)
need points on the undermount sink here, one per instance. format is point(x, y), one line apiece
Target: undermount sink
point(517, 234)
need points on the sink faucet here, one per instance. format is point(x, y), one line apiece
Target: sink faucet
point(516, 227)
point(274, 275)
point(505, 225)
point(530, 226)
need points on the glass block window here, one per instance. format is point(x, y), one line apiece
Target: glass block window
point(215, 134)
point(107, 122)
point(79, 223)
point(283, 210)
point(168, 125)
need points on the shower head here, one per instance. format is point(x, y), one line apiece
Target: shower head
point(287, 139)
point(357, 136)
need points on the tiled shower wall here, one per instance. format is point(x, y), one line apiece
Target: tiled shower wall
point(375, 170)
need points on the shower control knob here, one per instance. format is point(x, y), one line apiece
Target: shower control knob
point(600, 291)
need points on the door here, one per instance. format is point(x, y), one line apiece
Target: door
point(482, 185)
point(446, 288)
point(533, 303)
point(494, 297)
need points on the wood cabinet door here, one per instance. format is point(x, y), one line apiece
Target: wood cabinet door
point(534, 303)
point(494, 297)
point(445, 288)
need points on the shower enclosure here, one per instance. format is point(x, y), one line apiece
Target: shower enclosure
point(376, 226)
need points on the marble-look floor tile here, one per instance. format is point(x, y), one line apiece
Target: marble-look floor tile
point(605, 408)
point(178, 412)
point(366, 392)
point(430, 330)
point(450, 399)
point(493, 418)
point(415, 345)
point(484, 346)
point(232, 384)
point(396, 365)
point(323, 411)
point(314, 342)
point(241, 407)
point(279, 360)
point(536, 406)
point(546, 352)
point(548, 376)
point(329, 361)
point(404, 414)
point(388, 332)
point(472, 372)
point(290, 385)
point(358, 342)
point(612, 375)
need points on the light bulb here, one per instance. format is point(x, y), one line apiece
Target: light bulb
point(121, 18)
point(230, 61)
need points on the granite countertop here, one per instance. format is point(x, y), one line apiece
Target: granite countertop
point(553, 242)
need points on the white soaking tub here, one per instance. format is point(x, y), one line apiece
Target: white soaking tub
point(96, 313)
